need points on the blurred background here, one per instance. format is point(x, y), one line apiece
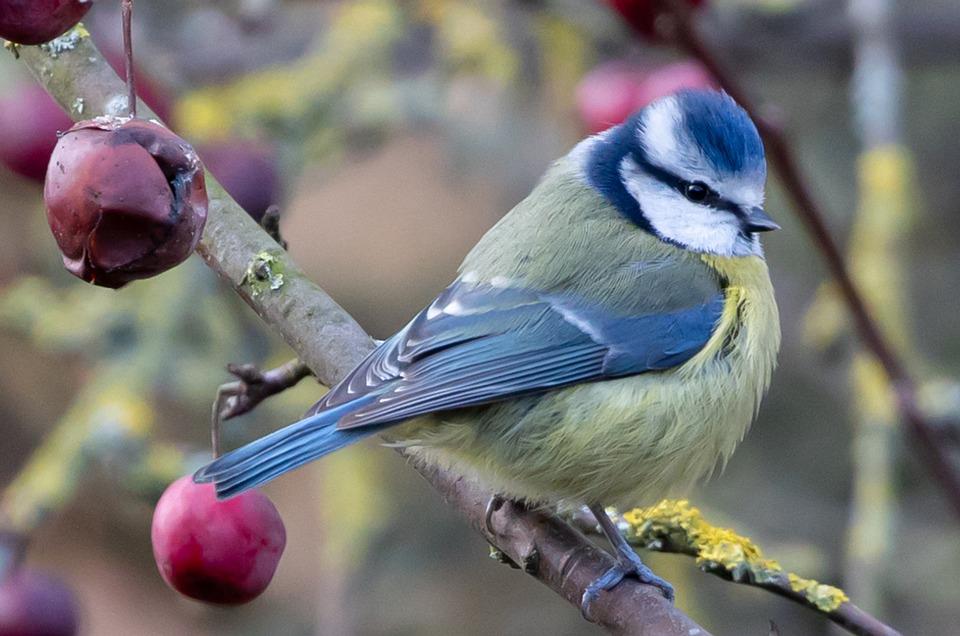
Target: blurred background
point(392, 134)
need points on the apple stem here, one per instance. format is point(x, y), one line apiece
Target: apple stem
point(126, 11)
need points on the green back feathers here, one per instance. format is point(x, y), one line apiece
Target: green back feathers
point(565, 237)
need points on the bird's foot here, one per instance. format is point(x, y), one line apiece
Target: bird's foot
point(628, 565)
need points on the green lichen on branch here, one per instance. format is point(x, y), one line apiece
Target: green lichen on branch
point(265, 273)
point(676, 526)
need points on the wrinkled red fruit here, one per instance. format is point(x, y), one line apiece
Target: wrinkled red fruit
point(29, 123)
point(34, 604)
point(125, 200)
point(248, 172)
point(613, 91)
point(223, 552)
point(39, 21)
point(642, 14)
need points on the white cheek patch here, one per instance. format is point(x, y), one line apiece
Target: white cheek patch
point(696, 227)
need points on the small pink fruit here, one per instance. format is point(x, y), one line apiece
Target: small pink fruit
point(671, 78)
point(39, 21)
point(35, 604)
point(223, 552)
point(125, 200)
point(248, 172)
point(607, 95)
point(611, 92)
point(29, 123)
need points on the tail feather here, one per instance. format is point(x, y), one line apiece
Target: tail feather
point(280, 452)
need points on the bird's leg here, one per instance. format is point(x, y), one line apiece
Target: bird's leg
point(628, 564)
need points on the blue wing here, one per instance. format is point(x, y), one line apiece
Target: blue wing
point(475, 344)
point(478, 343)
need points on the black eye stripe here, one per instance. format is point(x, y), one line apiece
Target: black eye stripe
point(712, 199)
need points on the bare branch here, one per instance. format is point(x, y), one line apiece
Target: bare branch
point(252, 387)
point(331, 343)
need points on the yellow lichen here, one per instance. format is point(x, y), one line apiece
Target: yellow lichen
point(357, 45)
point(676, 526)
point(827, 598)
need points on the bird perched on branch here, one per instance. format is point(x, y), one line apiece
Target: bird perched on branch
point(607, 342)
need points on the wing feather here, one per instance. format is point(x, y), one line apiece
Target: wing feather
point(477, 343)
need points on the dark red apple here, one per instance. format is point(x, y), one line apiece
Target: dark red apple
point(35, 604)
point(223, 552)
point(29, 123)
point(125, 200)
point(248, 171)
point(642, 14)
point(39, 21)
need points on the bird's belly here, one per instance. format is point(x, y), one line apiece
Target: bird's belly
point(629, 441)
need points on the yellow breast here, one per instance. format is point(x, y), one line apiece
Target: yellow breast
point(633, 440)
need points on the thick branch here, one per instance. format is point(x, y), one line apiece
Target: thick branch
point(808, 209)
point(330, 342)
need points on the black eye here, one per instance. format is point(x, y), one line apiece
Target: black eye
point(696, 191)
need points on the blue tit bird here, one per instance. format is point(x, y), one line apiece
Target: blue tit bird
point(606, 343)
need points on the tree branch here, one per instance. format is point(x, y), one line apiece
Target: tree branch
point(808, 209)
point(676, 527)
point(331, 343)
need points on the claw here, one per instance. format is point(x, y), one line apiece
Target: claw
point(607, 581)
point(612, 577)
point(496, 502)
point(628, 564)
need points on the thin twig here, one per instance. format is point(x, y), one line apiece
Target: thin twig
point(331, 343)
point(271, 224)
point(252, 387)
point(808, 209)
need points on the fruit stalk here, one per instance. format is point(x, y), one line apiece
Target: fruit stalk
point(126, 12)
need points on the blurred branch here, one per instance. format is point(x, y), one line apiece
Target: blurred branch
point(779, 150)
point(876, 255)
point(111, 420)
point(677, 527)
point(817, 34)
point(331, 343)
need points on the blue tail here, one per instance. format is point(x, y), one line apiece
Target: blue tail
point(282, 451)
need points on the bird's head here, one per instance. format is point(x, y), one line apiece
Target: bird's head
point(688, 168)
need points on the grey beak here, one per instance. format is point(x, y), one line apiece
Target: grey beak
point(757, 220)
